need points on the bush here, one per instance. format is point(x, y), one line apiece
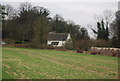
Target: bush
point(79, 51)
point(35, 45)
point(83, 44)
point(94, 53)
point(101, 43)
point(68, 45)
point(21, 45)
point(9, 41)
point(17, 45)
point(18, 42)
point(50, 47)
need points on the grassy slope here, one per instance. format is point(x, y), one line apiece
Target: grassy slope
point(20, 63)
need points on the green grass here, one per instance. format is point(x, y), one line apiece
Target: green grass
point(22, 63)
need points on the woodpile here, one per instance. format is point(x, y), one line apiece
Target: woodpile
point(105, 51)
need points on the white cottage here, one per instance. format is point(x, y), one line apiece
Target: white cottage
point(58, 39)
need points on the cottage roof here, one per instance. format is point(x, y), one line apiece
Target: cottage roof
point(58, 36)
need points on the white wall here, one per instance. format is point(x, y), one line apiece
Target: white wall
point(61, 43)
point(69, 37)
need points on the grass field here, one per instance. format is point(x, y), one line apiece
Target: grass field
point(22, 63)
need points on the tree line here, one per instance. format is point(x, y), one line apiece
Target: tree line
point(32, 24)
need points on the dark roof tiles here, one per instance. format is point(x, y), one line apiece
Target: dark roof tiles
point(58, 36)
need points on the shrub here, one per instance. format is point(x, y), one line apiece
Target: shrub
point(17, 45)
point(50, 47)
point(93, 53)
point(18, 42)
point(37, 45)
point(101, 43)
point(9, 41)
point(83, 44)
point(68, 45)
point(21, 45)
point(79, 51)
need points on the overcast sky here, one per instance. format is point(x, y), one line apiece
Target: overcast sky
point(79, 11)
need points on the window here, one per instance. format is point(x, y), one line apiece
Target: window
point(54, 43)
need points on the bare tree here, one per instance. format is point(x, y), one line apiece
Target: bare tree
point(25, 6)
point(97, 18)
point(11, 12)
point(108, 17)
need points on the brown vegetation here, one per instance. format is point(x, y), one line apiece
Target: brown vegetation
point(17, 45)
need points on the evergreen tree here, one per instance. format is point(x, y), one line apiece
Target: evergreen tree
point(40, 33)
point(102, 32)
